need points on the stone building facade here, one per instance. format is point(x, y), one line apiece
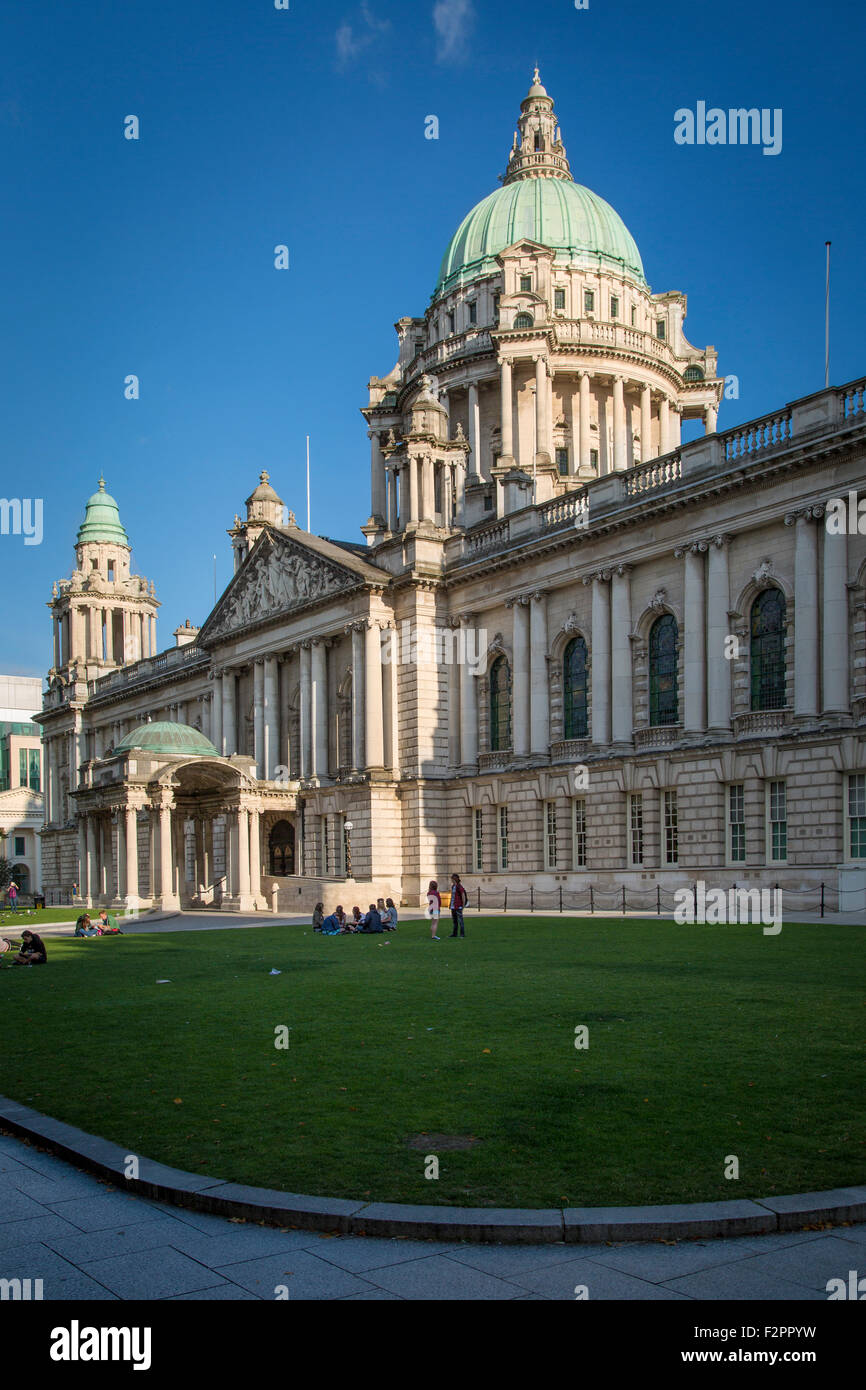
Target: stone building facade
point(574, 651)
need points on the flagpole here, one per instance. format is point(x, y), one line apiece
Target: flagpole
point(827, 323)
point(308, 483)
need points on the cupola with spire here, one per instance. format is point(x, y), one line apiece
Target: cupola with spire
point(264, 508)
point(537, 151)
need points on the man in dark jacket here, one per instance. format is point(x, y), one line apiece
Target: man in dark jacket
point(371, 921)
point(32, 949)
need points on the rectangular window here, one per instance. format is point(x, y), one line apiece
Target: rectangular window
point(562, 462)
point(614, 306)
point(578, 834)
point(450, 323)
point(661, 330)
point(503, 837)
point(550, 834)
point(473, 312)
point(559, 299)
point(488, 502)
point(588, 301)
point(633, 316)
point(496, 308)
point(478, 841)
point(437, 489)
point(525, 284)
point(857, 815)
point(593, 457)
point(20, 849)
point(22, 767)
point(778, 821)
point(635, 829)
point(736, 825)
point(34, 778)
point(672, 851)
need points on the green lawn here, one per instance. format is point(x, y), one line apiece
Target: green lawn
point(704, 1042)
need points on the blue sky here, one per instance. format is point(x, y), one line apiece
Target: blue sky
point(305, 127)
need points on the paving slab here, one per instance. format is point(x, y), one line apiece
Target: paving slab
point(157, 1273)
point(740, 1283)
point(305, 1277)
point(222, 1293)
point(81, 1247)
point(839, 1204)
point(16, 1206)
point(102, 1213)
point(506, 1261)
point(358, 1254)
point(237, 1243)
point(561, 1281)
point(439, 1277)
point(811, 1264)
point(35, 1229)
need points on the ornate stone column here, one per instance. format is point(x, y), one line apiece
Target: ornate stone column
point(83, 874)
point(259, 716)
point(319, 681)
point(412, 466)
point(255, 855)
point(695, 638)
point(676, 420)
point(520, 675)
point(393, 514)
point(468, 701)
point(377, 477)
point(620, 459)
point(217, 720)
point(230, 745)
point(600, 656)
point(711, 415)
point(834, 638)
point(92, 892)
point(243, 833)
point(474, 431)
point(374, 744)
point(806, 664)
point(583, 431)
point(621, 664)
point(646, 424)
point(664, 426)
point(506, 423)
point(272, 717)
point(358, 662)
point(718, 631)
point(542, 454)
point(131, 840)
point(306, 712)
point(427, 490)
point(166, 861)
point(538, 681)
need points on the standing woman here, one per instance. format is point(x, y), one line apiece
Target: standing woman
point(458, 902)
point(434, 907)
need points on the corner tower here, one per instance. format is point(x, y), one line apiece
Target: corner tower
point(104, 616)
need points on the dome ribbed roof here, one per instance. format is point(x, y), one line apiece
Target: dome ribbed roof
point(102, 520)
point(165, 737)
point(572, 220)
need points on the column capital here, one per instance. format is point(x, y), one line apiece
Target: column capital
point(466, 619)
point(538, 595)
point(720, 541)
point(620, 571)
point(517, 599)
point(599, 577)
point(814, 512)
point(691, 548)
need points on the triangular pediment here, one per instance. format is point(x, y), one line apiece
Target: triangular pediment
point(281, 575)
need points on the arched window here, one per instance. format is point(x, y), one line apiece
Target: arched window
point(21, 876)
point(693, 374)
point(281, 847)
point(574, 723)
point(768, 650)
point(500, 705)
point(523, 321)
point(664, 705)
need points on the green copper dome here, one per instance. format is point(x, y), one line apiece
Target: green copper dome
point(102, 520)
point(179, 740)
point(582, 228)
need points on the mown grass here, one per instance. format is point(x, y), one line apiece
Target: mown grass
point(704, 1042)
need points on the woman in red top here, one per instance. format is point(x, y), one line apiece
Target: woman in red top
point(434, 907)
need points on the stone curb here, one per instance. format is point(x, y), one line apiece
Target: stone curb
point(512, 1226)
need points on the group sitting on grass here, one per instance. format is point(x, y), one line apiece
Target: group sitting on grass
point(104, 925)
point(381, 916)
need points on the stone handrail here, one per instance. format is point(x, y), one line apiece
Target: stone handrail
point(479, 542)
point(148, 666)
point(571, 506)
point(660, 472)
point(770, 432)
point(851, 400)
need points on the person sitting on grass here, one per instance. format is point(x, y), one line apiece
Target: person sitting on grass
point(357, 919)
point(32, 950)
point(372, 922)
point(333, 924)
point(318, 916)
point(105, 925)
point(84, 926)
point(389, 915)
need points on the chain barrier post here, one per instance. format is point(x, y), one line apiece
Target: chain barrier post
point(623, 900)
point(505, 905)
point(822, 900)
point(695, 896)
point(479, 897)
point(658, 900)
point(560, 897)
point(591, 904)
point(531, 898)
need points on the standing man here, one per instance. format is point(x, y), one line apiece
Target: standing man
point(13, 897)
point(459, 898)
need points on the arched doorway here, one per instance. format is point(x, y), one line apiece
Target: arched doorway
point(281, 849)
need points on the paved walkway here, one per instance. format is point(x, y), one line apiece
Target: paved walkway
point(88, 1240)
